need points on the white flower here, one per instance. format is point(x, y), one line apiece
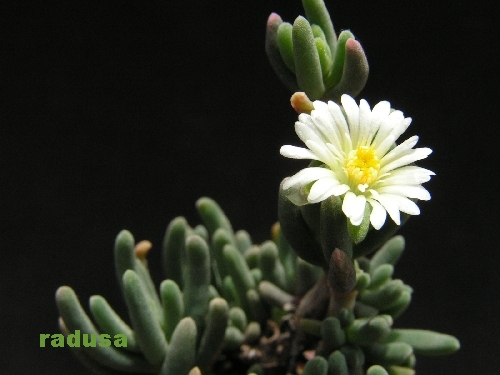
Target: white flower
point(359, 161)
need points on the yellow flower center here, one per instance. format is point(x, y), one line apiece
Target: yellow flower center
point(362, 166)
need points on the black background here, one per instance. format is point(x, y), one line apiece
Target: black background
point(120, 114)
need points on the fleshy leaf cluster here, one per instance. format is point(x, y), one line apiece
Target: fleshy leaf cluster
point(231, 306)
point(308, 56)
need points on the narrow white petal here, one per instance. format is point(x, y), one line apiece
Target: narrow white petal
point(417, 192)
point(404, 204)
point(399, 150)
point(339, 190)
point(398, 129)
point(358, 210)
point(365, 121)
point(308, 132)
point(294, 152)
point(347, 204)
point(322, 189)
point(341, 124)
point(384, 132)
point(319, 106)
point(325, 124)
point(323, 153)
point(378, 214)
point(409, 175)
point(390, 206)
point(352, 112)
point(336, 151)
point(306, 176)
point(410, 157)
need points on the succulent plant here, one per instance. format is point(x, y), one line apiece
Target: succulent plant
point(309, 300)
point(308, 56)
point(232, 307)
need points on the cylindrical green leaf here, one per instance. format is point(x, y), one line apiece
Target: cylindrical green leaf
point(149, 334)
point(325, 57)
point(75, 318)
point(285, 45)
point(233, 338)
point(149, 287)
point(229, 291)
point(238, 318)
point(173, 306)
point(173, 250)
point(338, 60)
point(270, 265)
point(274, 295)
point(316, 366)
point(393, 353)
point(385, 297)
point(368, 331)
point(124, 254)
point(332, 333)
point(274, 55)
point(252, 333)
point(337, 364)
point(110, 322)
point(240, 274)
point(389, 253)
point(213, 335)
point(400, 305)
point(221, 238)
point(362, 281)
point(212, 215)
point(317, 13)
point(425, 342)
point(376, 370)
point(243, 240)
point(258, 312)
point(197, 278)
point(307, 65)
point(180, 358)
point(380, 275)
point(83, 357)
point(354, 356)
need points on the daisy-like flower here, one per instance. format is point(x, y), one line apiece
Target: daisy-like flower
point(358, 161)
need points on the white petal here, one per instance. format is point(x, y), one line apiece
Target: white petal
point(319, 106)
point(404, 204)
point(354, 207)
point(417, 192)
point(307, 175)
point(297, 152)
point(410, 157)
point(320, 190)
point(352, 112)
point(365, 121)
point(399, 150)
point(341, 124)
point(308, 132)
point(398, 129)
point(325, 125)
point(378, 214)
point(358, 210)
point(335, 151)
point(409, 175)
point(323, 153)
point(390, 206)
point(384, 135)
